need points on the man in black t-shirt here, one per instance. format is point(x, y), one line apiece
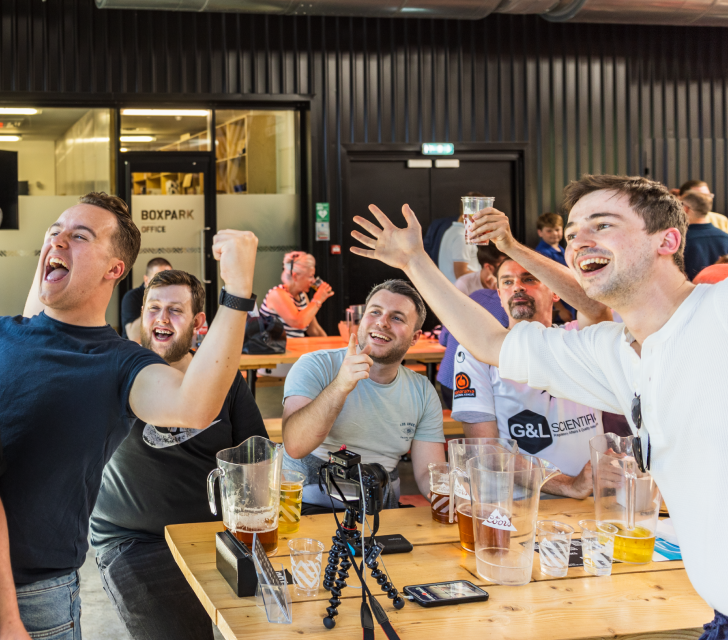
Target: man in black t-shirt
point(131, 303)
point(71, 388)
point(158, 477)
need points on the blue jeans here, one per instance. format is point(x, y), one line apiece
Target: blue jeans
point(150, 593)
point(717, 629)
point(51, 609)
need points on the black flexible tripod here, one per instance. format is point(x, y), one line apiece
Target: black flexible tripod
point(339, 562)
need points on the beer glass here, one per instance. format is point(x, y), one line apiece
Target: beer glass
point(289, 518)
point(440, 491)
point(471, 205)
point(250, 490)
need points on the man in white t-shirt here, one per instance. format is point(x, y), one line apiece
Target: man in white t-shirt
point(490, 406)
point(664, 367)
point(456, 258)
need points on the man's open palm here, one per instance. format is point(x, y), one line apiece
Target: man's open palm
point(389, 244)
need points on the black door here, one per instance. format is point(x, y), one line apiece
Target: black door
point(382, 177)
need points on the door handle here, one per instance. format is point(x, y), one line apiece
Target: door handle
point(202, 255)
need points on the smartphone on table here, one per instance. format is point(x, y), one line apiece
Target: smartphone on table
point(438, 594)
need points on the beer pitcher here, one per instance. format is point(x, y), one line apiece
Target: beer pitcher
point(250, 485)
point(505, 490)
point(625, 497)
point(459, 451)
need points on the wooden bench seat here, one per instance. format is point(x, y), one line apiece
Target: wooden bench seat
point(452, 428)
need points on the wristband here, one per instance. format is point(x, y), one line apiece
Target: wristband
point(233, 302)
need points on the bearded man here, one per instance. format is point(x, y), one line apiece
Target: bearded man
point(363, 397)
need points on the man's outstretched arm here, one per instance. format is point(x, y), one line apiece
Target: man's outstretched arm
point(493, 225)
point(470, 323)
point(161, 394)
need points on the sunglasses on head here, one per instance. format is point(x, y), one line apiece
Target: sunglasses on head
point(637, 444)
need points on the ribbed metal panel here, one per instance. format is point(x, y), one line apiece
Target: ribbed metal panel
point(585, 97)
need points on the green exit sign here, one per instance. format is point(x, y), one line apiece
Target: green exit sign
point(438, 149)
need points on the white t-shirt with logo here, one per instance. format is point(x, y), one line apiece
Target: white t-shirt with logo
point(551, 428)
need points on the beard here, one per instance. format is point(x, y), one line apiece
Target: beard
point(172, 351)
point(395, 352)
point(522, 308)
point(623, 284)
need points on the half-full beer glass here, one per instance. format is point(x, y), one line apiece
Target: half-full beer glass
point(250, 486)
point(440, 491)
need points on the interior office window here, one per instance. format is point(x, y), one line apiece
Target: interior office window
point(165, 130)
point(257, 184)
point(61, 155)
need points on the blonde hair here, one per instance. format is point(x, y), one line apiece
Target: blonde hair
point(296, 260)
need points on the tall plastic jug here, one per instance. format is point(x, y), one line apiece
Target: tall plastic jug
point(250, 489)
point(459, 451)
point(505, 490)
point(625, 497)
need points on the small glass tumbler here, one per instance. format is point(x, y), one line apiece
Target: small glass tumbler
point(597, 546)
point(554, 545)
point(471, 205)
point(306, 555)
point(289, 516)
point(440, 491)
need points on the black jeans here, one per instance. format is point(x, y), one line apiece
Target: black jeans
point(150, 593)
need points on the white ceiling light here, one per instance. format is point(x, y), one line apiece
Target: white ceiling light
point(123, 149)
point(9, 138)
point(137, 138)
point(165, 112)
point(17, 111)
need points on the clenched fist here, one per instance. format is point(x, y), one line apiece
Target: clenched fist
point(235, 251)
point(355, 366)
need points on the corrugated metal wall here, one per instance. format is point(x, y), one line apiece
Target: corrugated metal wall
point(595, 98)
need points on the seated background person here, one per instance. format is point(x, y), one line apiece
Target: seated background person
point(490, 407)
point(364, 398)
point(489, 258)
point(704, 243)
point(131, 303)
point(158, 477)
point(456, 258)
point(289, 303)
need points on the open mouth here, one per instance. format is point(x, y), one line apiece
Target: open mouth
point(56, 269)
point(161, 334)
point(379, 338)
point(591, 265)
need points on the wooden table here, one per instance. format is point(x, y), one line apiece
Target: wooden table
point(637, 601)
point(427, 351)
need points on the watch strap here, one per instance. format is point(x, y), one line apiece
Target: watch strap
point(239, 304)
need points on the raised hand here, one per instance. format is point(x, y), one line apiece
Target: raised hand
point(355, 366)
point(323, 293)
point(389, 244)
point(491, 224)
point(235, 251)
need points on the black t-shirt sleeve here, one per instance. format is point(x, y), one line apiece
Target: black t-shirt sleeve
point(244, 413)
point(131, 360)
point(131, 307)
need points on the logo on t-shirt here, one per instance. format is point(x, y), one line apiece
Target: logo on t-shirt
point(463, 388)
point(531, 431)
point(161, 437)
point(460, 356)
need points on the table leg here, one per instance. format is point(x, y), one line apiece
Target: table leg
point(252, 376)
point(431, 372)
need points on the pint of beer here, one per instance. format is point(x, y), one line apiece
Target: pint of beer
point(440, 491)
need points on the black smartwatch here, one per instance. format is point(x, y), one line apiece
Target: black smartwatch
point(239, 304)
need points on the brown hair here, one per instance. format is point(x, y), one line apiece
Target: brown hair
point(127, 239)
point(650, 200)
point(177, 277)
point(553, 220)
point(403, 289)
point(490, 254)
point(157, 262)
point(700, 203)
point(691, 184)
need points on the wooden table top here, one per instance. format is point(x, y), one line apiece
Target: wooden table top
point(426, 350)
point(655, 600)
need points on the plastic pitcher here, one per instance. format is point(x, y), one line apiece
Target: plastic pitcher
point(250, 486)
point(625, 497)
point(505, 491)
point(459, 451)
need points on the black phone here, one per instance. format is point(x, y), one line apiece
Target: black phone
point(438, 594)
point(392, 543)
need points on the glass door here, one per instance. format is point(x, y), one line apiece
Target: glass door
point(172, 200)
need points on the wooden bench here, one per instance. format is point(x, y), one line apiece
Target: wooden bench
point(452, 428)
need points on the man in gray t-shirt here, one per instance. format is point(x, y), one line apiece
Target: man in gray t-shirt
point(362, 397)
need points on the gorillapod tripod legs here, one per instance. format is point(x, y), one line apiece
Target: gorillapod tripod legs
point(339, 563)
